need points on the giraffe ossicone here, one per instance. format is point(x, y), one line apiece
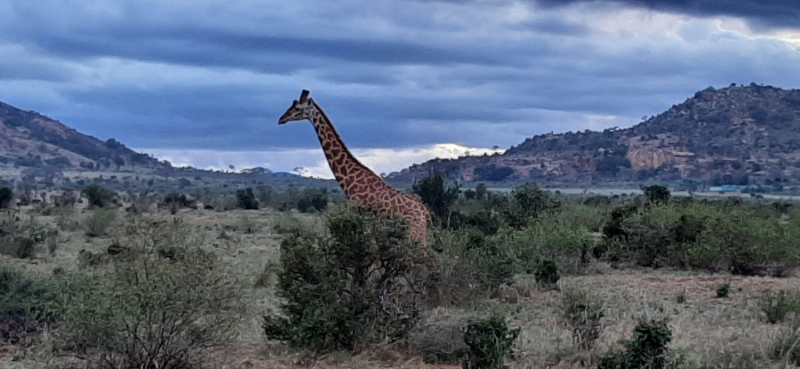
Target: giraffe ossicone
point(360, 184)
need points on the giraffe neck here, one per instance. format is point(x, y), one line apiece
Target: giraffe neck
point(354, 178)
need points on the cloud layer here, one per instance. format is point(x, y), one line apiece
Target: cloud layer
point(401, 75)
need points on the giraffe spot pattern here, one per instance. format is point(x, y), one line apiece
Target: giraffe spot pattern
point(364, 187)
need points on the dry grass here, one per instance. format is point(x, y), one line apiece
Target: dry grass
point(705, 329)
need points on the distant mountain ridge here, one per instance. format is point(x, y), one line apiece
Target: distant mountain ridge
point(28, 138)
point(734, 135)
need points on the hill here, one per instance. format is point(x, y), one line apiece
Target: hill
point(735, 135)
point(28, 138)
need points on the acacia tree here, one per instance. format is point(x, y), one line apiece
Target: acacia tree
point(434, 192)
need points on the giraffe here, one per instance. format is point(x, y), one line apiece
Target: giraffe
point(361, 185)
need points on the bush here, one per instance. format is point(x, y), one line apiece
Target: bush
point(6, 195)
point(434, 192)
point(470, 266)
point(744, 244)
point(151, 311)
point(313, 200)
point(776, 306)
point(246, 199)
point(97, 222)
point(529, 202)
point(25, 304)
point(657, 193)
point(29, 304)
point(481, 191)
point(714, 236)
point(224, 202)
point(646, 350)
point(547, 273)
point(356, 287)
point(489, 342)
point(18, 247)
point(98, 195)
point(723, 290)
point(176, 201)
point(21, 235)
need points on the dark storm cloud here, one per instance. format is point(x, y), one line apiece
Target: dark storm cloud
point(204, 48)
point(218, 74)
point(764, 14)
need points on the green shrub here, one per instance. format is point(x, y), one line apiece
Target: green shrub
point(723, 290)
point(744, 244)
point(97, 195)
point(683, 296)
point(657, 193)
point(548, 239)
point(29, 304)
point(25, 304)
point(481, 191)
point(176, 201)
point(21, 235)
point(470, 267)
point(529, 203)
point(356, 287)
point(489, 342)
point(547, 273)
point(646, 350)
point(18, 247)
point(776, 306)
point(150, 311)
point(485, 221)
point(246, 199)
point(313, 200)
point(433, 191)
point(6, 195)
point(98, 221)
point(224, 202)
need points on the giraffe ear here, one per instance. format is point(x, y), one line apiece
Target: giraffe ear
point(304, 96)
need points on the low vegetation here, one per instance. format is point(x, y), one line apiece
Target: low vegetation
point(526, 278)
point(355, 287)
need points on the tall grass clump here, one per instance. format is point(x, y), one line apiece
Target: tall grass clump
point(583, 313)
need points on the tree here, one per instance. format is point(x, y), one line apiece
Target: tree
point(480, 191)
point(657, 193)
point(119, 161)
point(98, 195)
point(434, 192)
point(6, 195)
point(246, 199)
point(299, 170)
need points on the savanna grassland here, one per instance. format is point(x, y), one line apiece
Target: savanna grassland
point(260, 278)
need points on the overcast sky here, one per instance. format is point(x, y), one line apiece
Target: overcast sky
point(203, 82)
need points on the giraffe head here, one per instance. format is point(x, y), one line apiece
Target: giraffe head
point(300, 109)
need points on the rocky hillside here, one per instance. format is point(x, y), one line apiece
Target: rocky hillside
point(735, 135)
point(31, 139)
